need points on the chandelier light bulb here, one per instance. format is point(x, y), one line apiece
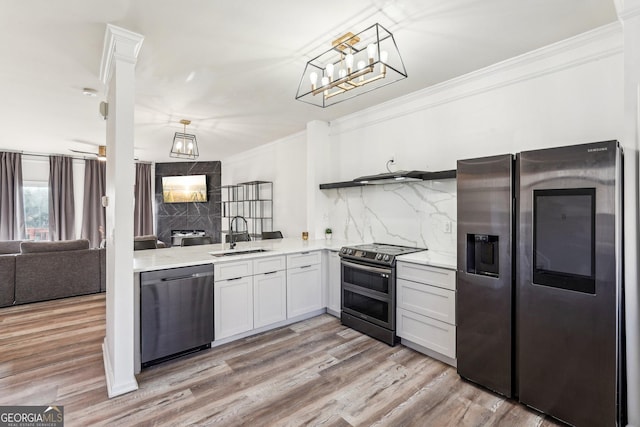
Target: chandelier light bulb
point(349, 60)
point(325, 81)
point(329, 69)
point(371, 52)
point(314, 78)
point(179, 145)
point(384, 55)
point(342, 73)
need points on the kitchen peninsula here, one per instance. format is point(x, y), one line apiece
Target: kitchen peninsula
point(257, 286)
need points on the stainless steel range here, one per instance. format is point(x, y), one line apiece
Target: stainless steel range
point(369, 288)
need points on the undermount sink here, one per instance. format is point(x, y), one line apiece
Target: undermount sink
point(238, 252)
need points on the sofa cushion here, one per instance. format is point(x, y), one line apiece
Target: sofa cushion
point(10, 246)
point(64, 245)
point(7, 280)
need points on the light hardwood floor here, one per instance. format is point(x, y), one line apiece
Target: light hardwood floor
point(315, 372)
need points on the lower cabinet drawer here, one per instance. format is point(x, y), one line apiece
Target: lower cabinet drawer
point(431, 301)
point(430, 333)
point(303, 259)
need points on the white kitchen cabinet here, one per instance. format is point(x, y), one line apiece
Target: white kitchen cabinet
point(232, 270)
point(269, 298)
point(304, 283)
point(426, 309)
point(269, 264)
point(233, 306)
point(433, 276)
point(431, 301)
point(333, 283)
point(427, 332)
point(303, 259)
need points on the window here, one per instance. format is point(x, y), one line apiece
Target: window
point(36, 210)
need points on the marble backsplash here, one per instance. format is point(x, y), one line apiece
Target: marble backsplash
point(419, 214)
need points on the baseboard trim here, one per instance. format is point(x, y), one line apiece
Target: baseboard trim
point(428, 352)
point(114, 389)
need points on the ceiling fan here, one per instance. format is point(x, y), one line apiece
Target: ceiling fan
point(100, 155)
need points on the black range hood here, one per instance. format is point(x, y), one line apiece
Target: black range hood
point(391, 177)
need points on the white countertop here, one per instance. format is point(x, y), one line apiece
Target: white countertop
point(157, 259)
point(432, 258)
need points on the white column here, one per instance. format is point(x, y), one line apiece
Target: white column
point(629, 14)
point(117, 72)
point(317, 162)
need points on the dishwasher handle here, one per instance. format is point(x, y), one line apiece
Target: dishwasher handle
point(176, 274)
point(190, 276)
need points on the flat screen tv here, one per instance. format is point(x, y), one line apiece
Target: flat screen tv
point(184, 189)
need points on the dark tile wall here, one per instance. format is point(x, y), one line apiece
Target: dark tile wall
point(189, 216)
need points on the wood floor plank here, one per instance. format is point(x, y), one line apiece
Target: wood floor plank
point(312, 373)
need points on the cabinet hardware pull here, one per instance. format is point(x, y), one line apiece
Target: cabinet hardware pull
point(234, 278)
point(271, 272)
point(305, 266)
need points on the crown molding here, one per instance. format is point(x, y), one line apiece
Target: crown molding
point(626, 10)
point(593, 45)
point(121, 45)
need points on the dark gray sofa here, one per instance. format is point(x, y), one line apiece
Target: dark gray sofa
point(43, 271)
point(7, 280)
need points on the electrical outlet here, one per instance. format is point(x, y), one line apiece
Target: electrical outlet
point(447, 227)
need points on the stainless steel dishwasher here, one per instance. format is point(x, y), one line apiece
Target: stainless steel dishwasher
point(176, 312)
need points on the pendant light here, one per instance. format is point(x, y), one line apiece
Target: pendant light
point(184, 144)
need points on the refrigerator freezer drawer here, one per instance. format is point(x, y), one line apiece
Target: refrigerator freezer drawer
point(430, 301)
point(430, 333)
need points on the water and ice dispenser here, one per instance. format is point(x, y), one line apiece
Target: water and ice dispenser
point(482, 254)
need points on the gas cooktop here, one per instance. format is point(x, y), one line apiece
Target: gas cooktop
point(377, 253)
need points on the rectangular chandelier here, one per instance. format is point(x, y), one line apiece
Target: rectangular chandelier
point(355, 64)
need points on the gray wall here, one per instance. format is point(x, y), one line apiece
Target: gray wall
point(189, 216)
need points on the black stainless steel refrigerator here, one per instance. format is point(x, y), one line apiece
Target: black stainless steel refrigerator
point(539, 314)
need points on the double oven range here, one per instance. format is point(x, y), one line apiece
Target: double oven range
point(369, 288)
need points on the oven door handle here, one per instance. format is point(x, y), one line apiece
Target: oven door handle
point(381, 271)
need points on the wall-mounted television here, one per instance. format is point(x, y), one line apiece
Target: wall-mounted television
point(184, 189)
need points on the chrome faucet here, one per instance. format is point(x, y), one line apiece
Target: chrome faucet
point(232, 240)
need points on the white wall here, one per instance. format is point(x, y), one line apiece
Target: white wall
point(567, 93)
point(283, 162)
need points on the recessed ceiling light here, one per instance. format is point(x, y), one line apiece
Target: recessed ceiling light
point(87, 91)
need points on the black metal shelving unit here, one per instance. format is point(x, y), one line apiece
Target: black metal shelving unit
point(252, 200)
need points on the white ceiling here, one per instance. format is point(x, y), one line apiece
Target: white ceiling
point(233, 67)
